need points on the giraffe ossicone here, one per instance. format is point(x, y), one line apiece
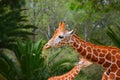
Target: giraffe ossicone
point(71, 75)
point(106, 56)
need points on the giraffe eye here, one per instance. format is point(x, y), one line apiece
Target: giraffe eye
point(60, 37)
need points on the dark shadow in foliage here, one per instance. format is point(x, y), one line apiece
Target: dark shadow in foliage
point(13, 28)
point(114, 35)
point(12, 24)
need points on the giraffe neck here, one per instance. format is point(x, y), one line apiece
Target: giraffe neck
point(90, 51)
point(71, 75)
point(68, 76)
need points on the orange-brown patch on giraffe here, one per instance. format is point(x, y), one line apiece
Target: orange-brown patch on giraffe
point(108, 56)
point(83, 44)
point(88, 56)
point(98, 50)
point(117, 78)
point(75, 74)
point(106, 64)
point(89, 49)
point(113, 68)
point(118, 63)
point(62, 78)
point(108, 72)
point(77, 71)
point(118, 73)
point(113, 59)
point(118, 55)
point(66, 76)
point(112, 76)
point(80, 49)
point(104, 51)
point(101, 54)
point(95, 52)
point(75, 44)
point(94, 59)
point(69, 78)
point(72, 78)
point(104, 77)
point(113, 52)
point(83, 53)
point(101, 60)
point(77, 40)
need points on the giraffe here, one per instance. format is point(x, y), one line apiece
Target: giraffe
point(106, 56)
point(71, 75)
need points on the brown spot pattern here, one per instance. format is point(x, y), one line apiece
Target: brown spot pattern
point(80, 49)
point(118, 63)
point(88, 49)
point(117, 78)
point(88, 56)
point(118, 56)
point(101, 54)
point(113, 68)
point(94, 59)
point(75, 45)
point(104, 77)
point(113, 59)
point(118, 72)
point(108, 72)
point(98, 50)
point(108, 56)
point(101, 60)
point(83, 53)
point(104, 51)
point(83, 44)
point(114, 52)
point(106, 64)
point(112, 76)
point(95, 52)
point(77, 40)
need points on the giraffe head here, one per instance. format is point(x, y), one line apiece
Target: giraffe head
point(84, 62)
point(61, 36)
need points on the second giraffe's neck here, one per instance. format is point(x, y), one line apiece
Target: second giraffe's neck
point(72, 74)
point(68, 76)
point(90, 51)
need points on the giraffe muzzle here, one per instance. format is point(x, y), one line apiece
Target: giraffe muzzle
point(46, 46)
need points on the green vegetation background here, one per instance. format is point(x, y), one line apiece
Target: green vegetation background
point(26, 25)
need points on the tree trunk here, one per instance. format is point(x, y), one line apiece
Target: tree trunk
point(86, 30)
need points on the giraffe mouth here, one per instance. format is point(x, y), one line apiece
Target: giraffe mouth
point(46, 46)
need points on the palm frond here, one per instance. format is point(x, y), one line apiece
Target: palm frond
point(13, 25)
point(113, 36)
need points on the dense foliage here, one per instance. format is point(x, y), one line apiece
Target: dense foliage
point(28, 63)
point(21, 56)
